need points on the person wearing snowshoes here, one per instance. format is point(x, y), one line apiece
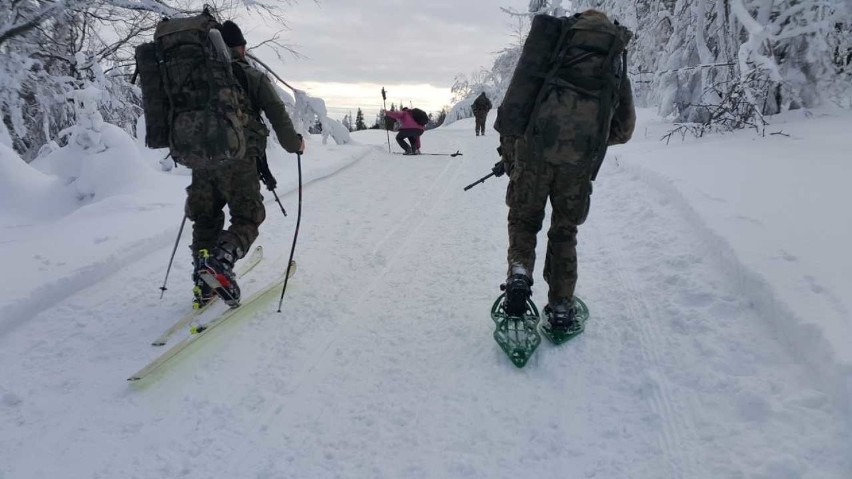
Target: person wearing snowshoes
point(409, 129)
point(576, 106)
point(481, 106)
point(236, 184)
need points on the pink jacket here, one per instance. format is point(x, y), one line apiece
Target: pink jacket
point(405, 119)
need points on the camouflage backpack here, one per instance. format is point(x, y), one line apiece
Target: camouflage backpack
point(565, 89)
point(192, 102)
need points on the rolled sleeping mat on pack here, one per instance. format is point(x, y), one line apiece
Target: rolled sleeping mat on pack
point(514, 113)
point(155, 102)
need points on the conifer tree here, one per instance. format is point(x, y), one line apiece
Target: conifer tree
point(359, 121)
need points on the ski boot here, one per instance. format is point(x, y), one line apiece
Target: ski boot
point(202, 293)
point(563, 321)
point(218, 273)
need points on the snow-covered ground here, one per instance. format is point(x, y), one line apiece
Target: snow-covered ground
point(715, 271)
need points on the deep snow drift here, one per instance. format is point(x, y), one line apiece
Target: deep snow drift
point(718, 344)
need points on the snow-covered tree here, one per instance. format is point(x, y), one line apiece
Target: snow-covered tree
point(309, 110)
point(714, 63)
point(51, 48)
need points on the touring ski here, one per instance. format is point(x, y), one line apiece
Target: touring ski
point(245, 266)
point(517, 336)
point(248, 304)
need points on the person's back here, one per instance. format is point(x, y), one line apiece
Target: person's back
point(405, 118)
point(481, 106)
point(581, 104)
point(236, 185)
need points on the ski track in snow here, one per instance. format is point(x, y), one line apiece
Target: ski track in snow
point(382, 363)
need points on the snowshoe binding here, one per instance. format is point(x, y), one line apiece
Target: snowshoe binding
point(565, 320)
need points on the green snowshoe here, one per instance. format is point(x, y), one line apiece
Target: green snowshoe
point(561, 326)
point(517, 335)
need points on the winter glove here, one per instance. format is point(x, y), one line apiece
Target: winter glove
point(504, 166)
point(499, 169)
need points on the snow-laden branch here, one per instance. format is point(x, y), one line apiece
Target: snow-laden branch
point(308, 109)
point(29, 22)
point(750, 50)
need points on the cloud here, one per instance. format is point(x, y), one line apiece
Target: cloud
point(414, 49)
point(389, 41)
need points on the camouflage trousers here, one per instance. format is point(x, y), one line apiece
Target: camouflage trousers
point(480, 122)
point(530, 186)
point(236, 185)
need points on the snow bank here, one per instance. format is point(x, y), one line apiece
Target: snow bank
point(780, 206)
point(27, 194)
point(460, 111)
point(99, 167)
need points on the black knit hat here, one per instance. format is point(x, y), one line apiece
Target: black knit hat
point(232, 34)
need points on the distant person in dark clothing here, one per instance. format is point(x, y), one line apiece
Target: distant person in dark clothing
point(481, 107)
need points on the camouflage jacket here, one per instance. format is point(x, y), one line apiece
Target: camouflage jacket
point(262, 97)
point(481, 105)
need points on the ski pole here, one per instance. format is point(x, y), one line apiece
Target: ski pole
point(172, 259)
point(481, 180)
point(268, 180)
point(295, 233)
point(385, 126)
point(457, 153)
point(279, 202)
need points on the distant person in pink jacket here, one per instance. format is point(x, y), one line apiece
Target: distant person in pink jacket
point(409, 130)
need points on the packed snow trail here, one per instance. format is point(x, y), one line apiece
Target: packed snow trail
point(382, 363)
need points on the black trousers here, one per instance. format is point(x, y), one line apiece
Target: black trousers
point(410, 134)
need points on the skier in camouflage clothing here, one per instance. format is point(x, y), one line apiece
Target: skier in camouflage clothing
point(481, 107)
point(236, 184)
point(549, 162)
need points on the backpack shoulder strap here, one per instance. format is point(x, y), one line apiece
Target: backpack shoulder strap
point(242, 78)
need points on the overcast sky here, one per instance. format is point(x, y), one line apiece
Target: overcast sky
point(412, 48)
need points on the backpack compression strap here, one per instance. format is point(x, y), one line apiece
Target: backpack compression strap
point(608, 97)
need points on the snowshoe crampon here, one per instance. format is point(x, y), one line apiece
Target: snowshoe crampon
point(517, 335)
point(560, 335)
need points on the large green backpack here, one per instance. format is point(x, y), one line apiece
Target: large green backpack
point(565, 89)
point(192, 102)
